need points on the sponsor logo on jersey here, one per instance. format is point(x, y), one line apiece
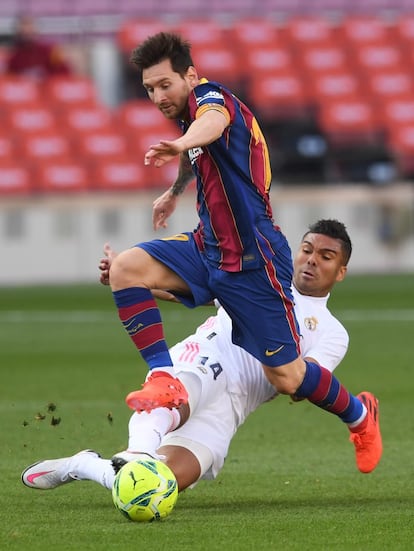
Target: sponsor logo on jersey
point(212, 94)
point(194, 153)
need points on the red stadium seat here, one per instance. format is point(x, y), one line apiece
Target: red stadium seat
point(373, 58)
point(390, 85)
point(32, 119)
point(342, 85)
point(120, 174)
point(135, 31)
point(323, 59)
point(15, 179)
point(66, 176)
point(219, 63)
point(18, 91)
point(278, 94)
point(101, 145)
point(362, 30)
point(397, 112)
point(349, 121)
point(141, 115)
point(70, 91)
point(45, 146)
point(305, 32)
point(86, 119)
point(266, 58)
point(201, 31)
point(8, 150)
point(254, 31)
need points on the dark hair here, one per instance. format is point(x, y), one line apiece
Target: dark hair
point(163, 46)
point(336, 230)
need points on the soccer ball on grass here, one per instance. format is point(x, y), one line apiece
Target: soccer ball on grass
point(145, 490)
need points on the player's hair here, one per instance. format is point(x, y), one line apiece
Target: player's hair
point(160, 47)
point(336, 230)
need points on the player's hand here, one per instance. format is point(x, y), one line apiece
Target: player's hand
point(163, 152)
point(105, 263)
point(162, 208)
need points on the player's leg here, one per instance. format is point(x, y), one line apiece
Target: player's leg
point(275, 342)
point(52, 473)
point(184, 463)
point(171, 264)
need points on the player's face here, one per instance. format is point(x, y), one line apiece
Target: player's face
point(318, 265)
point(169, 90)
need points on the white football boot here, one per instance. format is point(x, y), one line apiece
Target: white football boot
point(51, 473)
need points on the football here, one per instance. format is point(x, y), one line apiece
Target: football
point(145, 490)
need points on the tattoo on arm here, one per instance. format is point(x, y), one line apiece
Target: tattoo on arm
point(185, 175)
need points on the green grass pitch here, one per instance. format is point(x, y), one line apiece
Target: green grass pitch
point(290, 480)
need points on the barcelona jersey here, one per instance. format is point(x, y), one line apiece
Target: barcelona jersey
point(236, 231)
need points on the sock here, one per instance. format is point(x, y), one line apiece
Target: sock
point(146, 429)
point(321, 388)
point(141, 318)
point(96, 469)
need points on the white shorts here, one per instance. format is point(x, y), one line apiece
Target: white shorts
point(212, 424)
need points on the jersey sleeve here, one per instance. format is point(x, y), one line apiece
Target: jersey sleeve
point(330, 348)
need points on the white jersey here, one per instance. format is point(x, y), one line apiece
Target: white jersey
point(233, 383)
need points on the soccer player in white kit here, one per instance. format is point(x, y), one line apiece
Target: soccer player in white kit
point(224, 382)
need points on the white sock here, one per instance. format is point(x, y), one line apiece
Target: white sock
point(146, 429)
point(168, 369)
point(358, 421)
point(96, 469)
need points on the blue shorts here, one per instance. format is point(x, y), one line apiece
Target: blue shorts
point(259, 301)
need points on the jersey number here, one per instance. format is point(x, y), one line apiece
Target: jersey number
point(216, 369)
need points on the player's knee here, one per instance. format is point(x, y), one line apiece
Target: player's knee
point(125, 270)
point(286, 378)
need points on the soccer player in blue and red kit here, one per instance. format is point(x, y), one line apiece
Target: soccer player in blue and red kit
point(236, 255)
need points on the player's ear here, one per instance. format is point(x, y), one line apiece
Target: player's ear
point(341, 273)
point(192, 76)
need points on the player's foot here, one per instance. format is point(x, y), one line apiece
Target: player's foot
point(159, 390)
point(51, 473)
point(122, 458)
point(368, 442)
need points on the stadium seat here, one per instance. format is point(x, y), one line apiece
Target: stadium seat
point(397, 112)
point(101, 145)
point(68, 91)
point(352, 121)
point(85, 119)
point(140, 115)
point(18, 91)
point(253, 32)
point(50, 146)
point(15, 179)
point(31, 119)
point(265, 58)
point(219, 63)
point(134, 31)
point(357, 31)
point(8, 151)
point(392, 84)
point(311, 31)
point(368, 59)
point(323, 59)
point(66, 176)
point(278, 95)
point(120, 174)
point(201, 31)
point(341, 85)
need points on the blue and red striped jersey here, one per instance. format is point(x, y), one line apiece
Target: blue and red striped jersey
point(236, 230)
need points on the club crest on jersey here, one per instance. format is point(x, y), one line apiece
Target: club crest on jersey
point(194, 153)
point(311, 323)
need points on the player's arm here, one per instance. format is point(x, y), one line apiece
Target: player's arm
point(164, 206)
point(206, 128)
